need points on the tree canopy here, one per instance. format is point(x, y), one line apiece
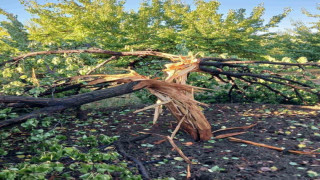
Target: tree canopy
point(159, 25)
point(74, 52)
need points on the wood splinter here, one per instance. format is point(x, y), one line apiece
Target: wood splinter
point(270, 147)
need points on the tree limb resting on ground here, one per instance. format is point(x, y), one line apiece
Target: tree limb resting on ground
point(226, 70)
point(51, 105)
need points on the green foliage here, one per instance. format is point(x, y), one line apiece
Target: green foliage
point(50, 152)
point(98, 171)
point(164, 25)
point(89, 141)
point(13, 36)
point(30, 123)
point(39, 135)
point(157, 24)
point(27, 172)
point(303, 41)
point(78, 23)
point(106, 139)
point(235, 34)
point(7, 113)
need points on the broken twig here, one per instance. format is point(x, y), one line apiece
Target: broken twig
point(270, 147)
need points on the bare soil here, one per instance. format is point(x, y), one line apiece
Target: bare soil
point(290, 127)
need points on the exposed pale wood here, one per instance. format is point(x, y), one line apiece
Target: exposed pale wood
point(102, 64)
point(188, 171)
point(178, 127)
point(242, 127)
point(178, 150)
point(152, 106)
point(270, 147)
point(195, 124)
point(228, 135)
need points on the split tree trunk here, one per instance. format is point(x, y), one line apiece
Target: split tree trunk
point(200, 129)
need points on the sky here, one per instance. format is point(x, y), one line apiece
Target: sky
point(273, 7)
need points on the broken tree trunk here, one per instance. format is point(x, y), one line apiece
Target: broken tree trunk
point(171, 92)
point(52, 105)
point(176, 98)
point(181, 106)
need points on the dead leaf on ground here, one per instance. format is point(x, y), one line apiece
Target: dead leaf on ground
point(160, 141)
point(188, 143)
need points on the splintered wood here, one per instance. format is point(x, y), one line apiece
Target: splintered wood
point(173, 92)
point(179, 97)
point(271, 147)
point(181, 105)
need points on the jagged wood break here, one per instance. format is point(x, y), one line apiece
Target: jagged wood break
point(172, 92)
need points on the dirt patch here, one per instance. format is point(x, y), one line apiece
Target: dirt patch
point(290, 127)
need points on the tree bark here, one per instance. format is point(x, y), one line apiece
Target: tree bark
point(52, 105)
point(200, 128)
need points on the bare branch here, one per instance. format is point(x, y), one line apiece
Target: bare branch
point(102, 64)
point(267, 86)
point(304, 87)
point(232, 61)
point(91, 51)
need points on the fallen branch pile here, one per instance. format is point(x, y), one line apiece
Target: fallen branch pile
point(172, 92)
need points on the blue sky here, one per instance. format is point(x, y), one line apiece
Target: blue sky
point(273, 7)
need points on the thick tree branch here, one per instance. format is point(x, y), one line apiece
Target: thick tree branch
point(232, 61)
point(232, 69)
point(54, 90)
point(52, 105)
point(91, 51)
point(304, 87)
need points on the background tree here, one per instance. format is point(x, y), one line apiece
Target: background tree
point(157, 24)
point(58, 64)
point(169, 26)
point(82, 23)
point(302, 41)
point(235, 34)
point(13, 36)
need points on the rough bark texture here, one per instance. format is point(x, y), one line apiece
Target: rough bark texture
point(196, 124)
point(52, 105)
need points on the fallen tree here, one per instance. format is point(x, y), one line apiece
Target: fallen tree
point(172, 92)
point(51, 105)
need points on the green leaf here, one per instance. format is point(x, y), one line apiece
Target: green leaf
point(69, 150)
point(178, 158)
point(85, 176)
point(216, 169)
point(302, 60)
point(293, 163)
point(312, 174)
